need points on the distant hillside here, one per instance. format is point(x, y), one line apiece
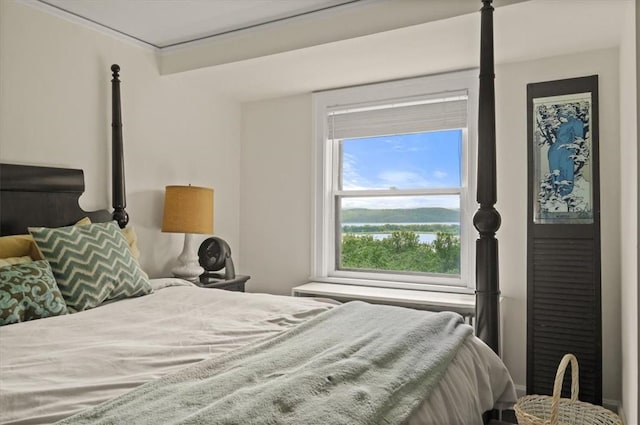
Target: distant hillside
point(412, 215)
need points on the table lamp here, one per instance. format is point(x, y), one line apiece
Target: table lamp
point(188, 210)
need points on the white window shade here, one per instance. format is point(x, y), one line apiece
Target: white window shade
point(411, 117)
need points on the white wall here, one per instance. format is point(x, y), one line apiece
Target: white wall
point(55, 109)
point(275, 189)
point(277, 179)
point(629, 60)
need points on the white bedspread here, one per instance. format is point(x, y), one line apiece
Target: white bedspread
point(55, 367)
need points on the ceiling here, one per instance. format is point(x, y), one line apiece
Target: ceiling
point(167, 23)
point(368, 41)
point(425, 49)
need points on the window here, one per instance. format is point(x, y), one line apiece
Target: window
point(395, 192)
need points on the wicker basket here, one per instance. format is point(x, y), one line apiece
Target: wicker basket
point(546, 410)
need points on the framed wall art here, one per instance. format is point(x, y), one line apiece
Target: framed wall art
point(563, 135)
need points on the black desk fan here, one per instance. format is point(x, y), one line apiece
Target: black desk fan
point(214, 254)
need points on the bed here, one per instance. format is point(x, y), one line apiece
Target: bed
point(111, 346)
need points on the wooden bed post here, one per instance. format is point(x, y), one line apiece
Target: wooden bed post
point(487, 220)
point(117, 154)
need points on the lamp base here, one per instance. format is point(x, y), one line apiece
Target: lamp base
point(188, 273)
point(188, 267)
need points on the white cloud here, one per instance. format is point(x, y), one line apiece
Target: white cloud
point(351, 179)
point(402, 179)
point(440, 175)
point(402, 146)
point(397, 202)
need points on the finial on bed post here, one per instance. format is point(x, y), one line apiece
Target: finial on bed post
point(117, 153)
point(487, 220)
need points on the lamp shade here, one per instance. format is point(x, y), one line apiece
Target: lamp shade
point(188, 209)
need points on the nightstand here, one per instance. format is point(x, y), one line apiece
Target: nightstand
point(235, 284)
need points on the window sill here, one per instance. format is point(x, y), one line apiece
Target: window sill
point(424, 300)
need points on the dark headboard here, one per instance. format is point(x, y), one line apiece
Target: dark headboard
point(41, 196)
point(48, 196)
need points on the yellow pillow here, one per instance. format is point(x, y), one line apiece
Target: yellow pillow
point(18, 246)
point(23, 245)
point(10, 261)
point(132, 240)
point(83, 221)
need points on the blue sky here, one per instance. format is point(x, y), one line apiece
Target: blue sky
point(410, 161)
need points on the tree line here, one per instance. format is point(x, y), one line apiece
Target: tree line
point(401, 215)
point(402, 251)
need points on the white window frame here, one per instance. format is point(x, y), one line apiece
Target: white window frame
point(325, 161)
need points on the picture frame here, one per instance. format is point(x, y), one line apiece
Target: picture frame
point(563, 150)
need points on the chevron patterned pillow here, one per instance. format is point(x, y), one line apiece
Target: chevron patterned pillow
point(29, 291)
point(91, 264)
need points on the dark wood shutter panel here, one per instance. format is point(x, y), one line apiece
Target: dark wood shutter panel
point(565, 315)
point(564, 312)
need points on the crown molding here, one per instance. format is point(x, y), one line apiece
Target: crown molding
point(88, 24)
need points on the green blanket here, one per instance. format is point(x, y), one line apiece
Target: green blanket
point(355, 364)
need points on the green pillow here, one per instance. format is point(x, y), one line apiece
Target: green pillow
point(92, 264)
point(29, 291)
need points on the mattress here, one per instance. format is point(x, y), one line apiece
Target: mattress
point(53, 368)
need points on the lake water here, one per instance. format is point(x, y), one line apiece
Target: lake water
point(400, 224)
point(422, 237)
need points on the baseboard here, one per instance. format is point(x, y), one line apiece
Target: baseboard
point(521, 390)
point(613, 405)
point(621, 413)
